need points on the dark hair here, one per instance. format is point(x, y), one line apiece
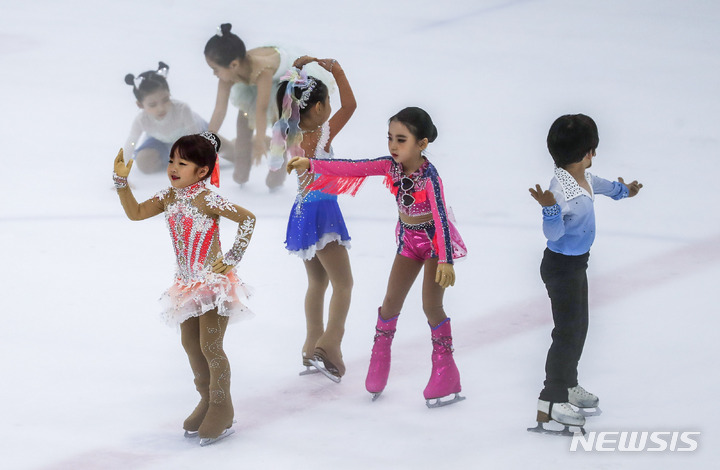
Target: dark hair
point(317, 95)
point(418, 122)
point(571, 137)
point(197, 149)
point(152, 81)
point(225, 47)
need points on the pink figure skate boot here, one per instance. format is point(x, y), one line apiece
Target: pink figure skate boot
point(379, 369)
point(445, 377)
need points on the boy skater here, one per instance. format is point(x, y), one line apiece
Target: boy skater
point(569, 226)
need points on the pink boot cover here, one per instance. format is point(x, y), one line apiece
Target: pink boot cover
point(379, 369)
point(445, 377)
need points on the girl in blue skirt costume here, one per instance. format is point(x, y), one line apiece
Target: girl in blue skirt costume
point(316, 230)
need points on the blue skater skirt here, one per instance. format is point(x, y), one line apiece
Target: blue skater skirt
point(315, 220)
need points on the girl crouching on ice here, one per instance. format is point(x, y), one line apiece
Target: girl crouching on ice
point(204, 295)
point(426, 238)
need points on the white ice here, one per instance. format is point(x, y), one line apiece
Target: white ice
point(91, 379)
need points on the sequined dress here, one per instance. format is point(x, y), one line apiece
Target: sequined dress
point(425, 196)
point(192, 215)
point(315, 218)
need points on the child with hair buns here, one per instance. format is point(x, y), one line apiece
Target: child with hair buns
point(205, 294)
point(162, 120)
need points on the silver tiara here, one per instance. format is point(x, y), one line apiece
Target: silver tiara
point(209, 136)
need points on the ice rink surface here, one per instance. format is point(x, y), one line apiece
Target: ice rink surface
point(92, 379)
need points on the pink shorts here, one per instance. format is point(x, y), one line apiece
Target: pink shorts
point(416, 241)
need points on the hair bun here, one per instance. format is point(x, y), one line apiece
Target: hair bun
point(163, 65)
point(130, 79)
point(433, 134)
point(225, 28)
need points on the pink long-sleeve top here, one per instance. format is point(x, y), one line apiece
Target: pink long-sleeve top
point(426, 191)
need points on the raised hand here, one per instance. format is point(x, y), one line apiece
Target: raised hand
point(300, 62)
point(328, 64)
point(633, 187)
point(121, 169)
point(545, 198)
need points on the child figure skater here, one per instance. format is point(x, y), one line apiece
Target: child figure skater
point(204, 295)
point(162, 119)
point(569, 226)
point(249, 80)
point(316, 230)
point(426, 237)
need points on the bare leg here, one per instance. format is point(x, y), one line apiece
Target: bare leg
point(432, 295)
point(336, 263)
point(402, 276)
point(243, 149)
point(148, 161)
point(314, 303)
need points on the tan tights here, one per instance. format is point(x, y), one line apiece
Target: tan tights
point(202, 338)
point(402, 276)
point(331, 265)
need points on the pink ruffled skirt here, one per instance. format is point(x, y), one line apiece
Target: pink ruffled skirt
point(222, 291)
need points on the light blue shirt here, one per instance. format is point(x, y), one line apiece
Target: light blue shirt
point(569, 225)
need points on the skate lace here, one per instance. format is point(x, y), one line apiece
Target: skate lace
point(390, 334)
point(444, 342)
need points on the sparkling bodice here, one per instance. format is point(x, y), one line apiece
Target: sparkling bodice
point(193, 233)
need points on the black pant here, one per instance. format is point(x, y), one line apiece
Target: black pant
point(565, 279)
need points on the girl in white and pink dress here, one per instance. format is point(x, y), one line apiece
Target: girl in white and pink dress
point(205, 294)
point(426, 238)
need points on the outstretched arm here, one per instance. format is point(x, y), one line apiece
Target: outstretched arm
point(221, 106)
point(299, 164)
point(553, 224)
point(264, 90)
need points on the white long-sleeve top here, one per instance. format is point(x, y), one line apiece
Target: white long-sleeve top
point(179, 121)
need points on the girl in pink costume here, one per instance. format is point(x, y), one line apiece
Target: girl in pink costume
point(426, 237)
point(205, 294)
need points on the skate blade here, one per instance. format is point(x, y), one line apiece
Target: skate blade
point(309, 370)
point(318, 364)
point(540, 429)
point(375, 395)
point(438, 402)
point(191, 434)
point(596, 411)
point(206, 441)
